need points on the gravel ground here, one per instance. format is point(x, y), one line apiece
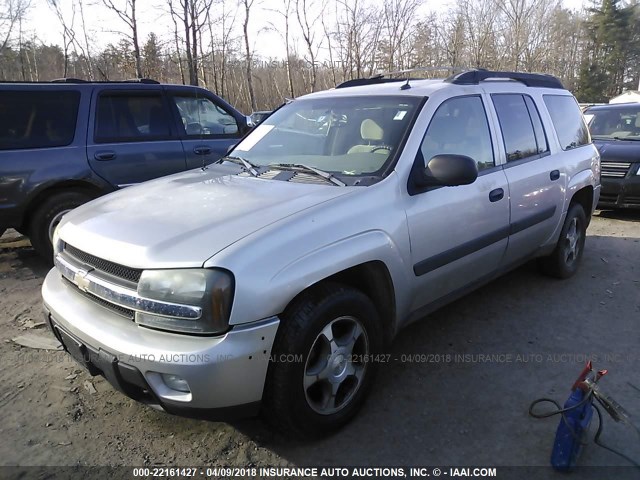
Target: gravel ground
point(462, 399)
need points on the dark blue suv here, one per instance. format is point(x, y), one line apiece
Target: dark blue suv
point(64, 143)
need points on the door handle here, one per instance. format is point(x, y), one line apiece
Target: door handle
point(554, 175)
point(202, 150)
point(105, 156)
point(495, 195)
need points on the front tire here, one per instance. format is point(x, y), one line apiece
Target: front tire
point(565, 259)
point(331, 333)
point(46, 218)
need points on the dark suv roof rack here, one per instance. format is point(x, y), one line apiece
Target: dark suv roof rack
point(473, 77)
point(142, 80)
point(133, 80)
point(68, 80)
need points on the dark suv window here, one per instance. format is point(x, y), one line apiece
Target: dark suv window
point(200, 116)
point(37, 119)
point(522, 130)
point(460, 127)
point(131, 117)
point(567, 120)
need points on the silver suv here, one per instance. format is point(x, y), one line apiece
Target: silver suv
point(276, 277)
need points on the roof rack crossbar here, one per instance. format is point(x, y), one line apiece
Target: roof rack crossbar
point(473, 77)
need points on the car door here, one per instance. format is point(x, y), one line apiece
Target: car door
point(133, 138)
point(206, 126)
point(458, 234)
point(536, 178)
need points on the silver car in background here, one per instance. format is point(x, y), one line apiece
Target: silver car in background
point(275, 278)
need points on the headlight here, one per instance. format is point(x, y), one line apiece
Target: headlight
point(638, 171)
point(209, 289)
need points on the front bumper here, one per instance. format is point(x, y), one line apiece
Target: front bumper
point(225, 374)
point(620, 192)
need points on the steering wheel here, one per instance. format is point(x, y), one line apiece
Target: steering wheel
point(381, 147)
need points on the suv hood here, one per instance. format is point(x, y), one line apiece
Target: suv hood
point(184, 219)
point(618, 150)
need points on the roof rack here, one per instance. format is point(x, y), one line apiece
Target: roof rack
point(356, 82)
point(142, 80)
point(146, 81)
point(68, 80)
point(387, 77)
point(473, 77)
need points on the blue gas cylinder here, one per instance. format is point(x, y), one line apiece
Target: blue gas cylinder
point(567, 445)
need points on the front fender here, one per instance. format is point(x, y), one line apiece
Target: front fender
point(261, 294)
point(585, 178)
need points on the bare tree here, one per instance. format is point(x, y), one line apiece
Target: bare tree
point(307, 22)
point(221, 44)
point(127, 13)
point(12, 12)
point(248, 57)
point(193, 15)
point(285, 12)
point(399, 21)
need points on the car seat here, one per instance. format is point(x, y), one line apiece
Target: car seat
point(370, 132)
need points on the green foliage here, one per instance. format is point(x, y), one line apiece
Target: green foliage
point(612, 50)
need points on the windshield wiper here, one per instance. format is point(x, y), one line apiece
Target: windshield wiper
point(248, 166)
point(309, 169)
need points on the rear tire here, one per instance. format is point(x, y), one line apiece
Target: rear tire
point(47, 216)
point(565, 259)
point(322, 366)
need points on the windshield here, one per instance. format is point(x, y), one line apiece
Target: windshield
point(347, 136)
point(615, 123)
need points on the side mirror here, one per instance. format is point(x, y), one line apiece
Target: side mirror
point(449, 171)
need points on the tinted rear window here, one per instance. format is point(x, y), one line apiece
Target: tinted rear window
point(517, 130)
point(131, 117)
point(567, 120)
point(37, 119)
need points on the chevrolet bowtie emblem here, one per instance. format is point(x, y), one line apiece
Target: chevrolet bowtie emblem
point(81, 280)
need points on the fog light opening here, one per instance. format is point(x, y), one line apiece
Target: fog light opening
point(175, 382)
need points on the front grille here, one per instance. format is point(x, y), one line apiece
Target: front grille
point(615, 169)
point(629, 200)
point(122, 311)
point(114, 269)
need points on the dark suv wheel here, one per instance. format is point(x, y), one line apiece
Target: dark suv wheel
point(321, 361)
point(47, 217)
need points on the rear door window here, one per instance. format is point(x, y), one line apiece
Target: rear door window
point(518, 132)
point(131, 117)
point(37, 118)
point(567, 120)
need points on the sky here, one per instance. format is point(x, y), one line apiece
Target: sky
point(103, 24)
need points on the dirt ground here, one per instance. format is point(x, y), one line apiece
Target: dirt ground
point(521, 337)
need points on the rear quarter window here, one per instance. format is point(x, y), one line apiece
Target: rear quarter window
point(37, 118)
point(567, 120)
